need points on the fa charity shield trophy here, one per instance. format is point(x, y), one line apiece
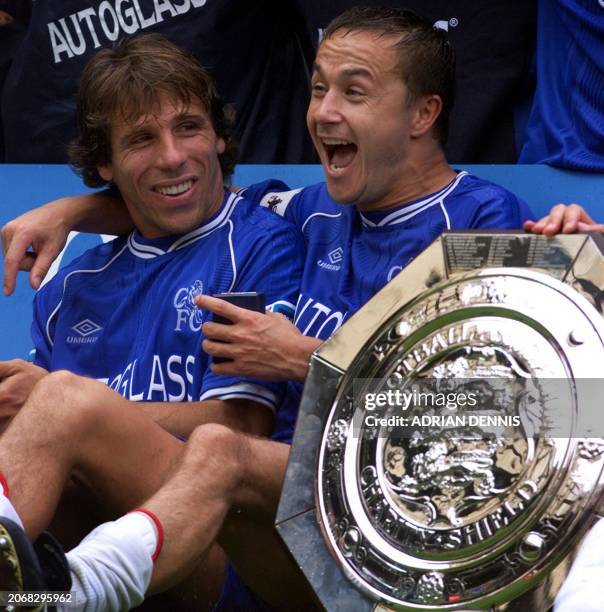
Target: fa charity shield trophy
point(451, 429)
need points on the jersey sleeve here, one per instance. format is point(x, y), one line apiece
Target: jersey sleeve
point(257, 191)
point(480, 204)
point(273, 266)
point(47, 302)
point(277, 197)
point(299, 205)
point(501, 211)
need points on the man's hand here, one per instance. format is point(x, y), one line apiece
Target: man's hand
point(17, 379)
point(263, 346)
point(566, 219)
point(32, 242)
point(45, 230)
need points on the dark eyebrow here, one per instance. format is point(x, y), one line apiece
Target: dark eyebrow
point(347, 72)
point(186, 115)
point(353, 72)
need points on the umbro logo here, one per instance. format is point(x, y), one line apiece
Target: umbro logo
point(84, 330)
point(86, 327)
point(334, 257)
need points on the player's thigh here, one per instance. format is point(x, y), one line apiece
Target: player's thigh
point(124, 456)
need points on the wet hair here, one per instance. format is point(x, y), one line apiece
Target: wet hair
point(426, 58)
point(128, 81)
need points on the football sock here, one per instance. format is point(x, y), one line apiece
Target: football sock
point(111, 568)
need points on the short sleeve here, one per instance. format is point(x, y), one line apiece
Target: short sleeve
point(273, 266)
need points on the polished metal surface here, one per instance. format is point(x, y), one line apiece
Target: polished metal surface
point(552, 255)
point(450, 513)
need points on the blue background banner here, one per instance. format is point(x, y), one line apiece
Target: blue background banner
point(23, 187)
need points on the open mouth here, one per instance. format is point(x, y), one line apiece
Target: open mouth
point(175, 190)
point(340, 153)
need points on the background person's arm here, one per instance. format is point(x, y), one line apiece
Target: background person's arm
point(34, 240)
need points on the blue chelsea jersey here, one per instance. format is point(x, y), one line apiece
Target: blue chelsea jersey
point(351, 254)
point(124, 313)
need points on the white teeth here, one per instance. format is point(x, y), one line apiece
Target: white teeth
point(335, 141)
point(334, 167)
point(175, 189)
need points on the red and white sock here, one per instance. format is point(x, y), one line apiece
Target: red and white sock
point(158, 530)
point(6, 508)
point(111, 568)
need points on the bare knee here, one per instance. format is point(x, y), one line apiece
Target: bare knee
point(252, 468)
point(214, 440)
point(53, 393)
point(67, 401)
point(216, 450)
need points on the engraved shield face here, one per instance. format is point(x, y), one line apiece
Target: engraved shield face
point(449, 505)
point(448, 477)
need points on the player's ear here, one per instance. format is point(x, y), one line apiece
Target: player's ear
point(105, 172)
point(427, 110)
point(220, 146)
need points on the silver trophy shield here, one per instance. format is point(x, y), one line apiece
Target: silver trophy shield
point(451, 429)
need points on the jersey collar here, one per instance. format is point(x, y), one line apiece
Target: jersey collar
point(393, 216)
point(149, 248)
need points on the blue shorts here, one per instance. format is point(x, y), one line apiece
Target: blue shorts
point(236, 596)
